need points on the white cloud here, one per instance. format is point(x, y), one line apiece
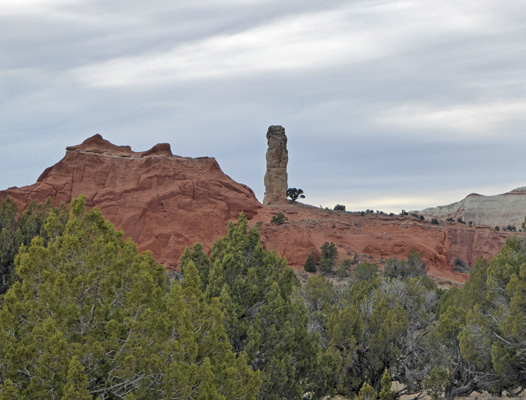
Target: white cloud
point(34, 7)
point(307, 41)
point(457, 121)
point(343, 37)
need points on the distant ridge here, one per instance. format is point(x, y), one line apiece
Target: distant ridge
point(500, 210)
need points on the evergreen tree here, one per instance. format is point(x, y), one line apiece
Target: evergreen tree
point(310, 264)
point(8, 391)
point(386, 392)
point(77, 382)
point(262, 319)
point(492, 340)
point(89, 315)
point(367, 392)
point(18, 229)
point(329, 254)
point(436, 383)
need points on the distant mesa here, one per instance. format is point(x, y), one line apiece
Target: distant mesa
point(499, 210)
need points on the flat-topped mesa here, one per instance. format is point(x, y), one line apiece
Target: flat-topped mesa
point(276, 179)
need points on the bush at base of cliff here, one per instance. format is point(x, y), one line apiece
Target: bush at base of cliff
point(310, 264)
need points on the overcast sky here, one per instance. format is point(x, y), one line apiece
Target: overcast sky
point(387, 105)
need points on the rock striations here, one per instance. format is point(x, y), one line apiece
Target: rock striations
point(276, 181)
point(163, 202)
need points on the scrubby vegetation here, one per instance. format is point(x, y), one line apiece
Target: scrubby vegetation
point(339, 207)
point(84, 316)
point(279, 219)
point(88, 317)
point(310, 264)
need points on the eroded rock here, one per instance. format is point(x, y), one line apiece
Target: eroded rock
point(166, 203)
point(276, 180)
point(163, 202)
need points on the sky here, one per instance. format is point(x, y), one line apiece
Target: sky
point(387, 105)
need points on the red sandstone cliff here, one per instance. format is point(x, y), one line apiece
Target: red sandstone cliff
point(377, 237)
point(166, 202)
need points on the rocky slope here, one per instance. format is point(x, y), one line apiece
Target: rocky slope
point(377, 237)
point(166, 202)
point(500, 210)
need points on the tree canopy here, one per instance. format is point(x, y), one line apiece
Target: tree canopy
point(89, 317)
point(295, 194)
point(85, 316)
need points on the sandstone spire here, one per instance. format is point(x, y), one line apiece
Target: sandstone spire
point(276, 183)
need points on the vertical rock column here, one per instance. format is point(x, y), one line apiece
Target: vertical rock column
point(276, 181)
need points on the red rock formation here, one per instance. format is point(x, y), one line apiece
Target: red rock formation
point(163, 202)
point(166, 202)
point(376, 237)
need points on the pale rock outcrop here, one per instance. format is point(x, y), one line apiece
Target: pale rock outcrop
point(499, 210)
point(276, 180)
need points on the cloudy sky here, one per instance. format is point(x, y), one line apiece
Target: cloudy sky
point(387, 105)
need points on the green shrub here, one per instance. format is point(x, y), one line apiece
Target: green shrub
point(279, 219)
point(365, 271)
point(329, 254)
point(339, 207)
point(310, 264)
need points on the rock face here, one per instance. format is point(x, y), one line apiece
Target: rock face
point(276, 181)
point(376, 238)
point(163, 202)
point(500, 210)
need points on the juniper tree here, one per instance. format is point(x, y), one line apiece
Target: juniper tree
point(89, 315)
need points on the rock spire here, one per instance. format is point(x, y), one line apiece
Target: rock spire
point(276, 181)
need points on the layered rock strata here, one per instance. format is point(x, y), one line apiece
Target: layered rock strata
point(276, 180)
